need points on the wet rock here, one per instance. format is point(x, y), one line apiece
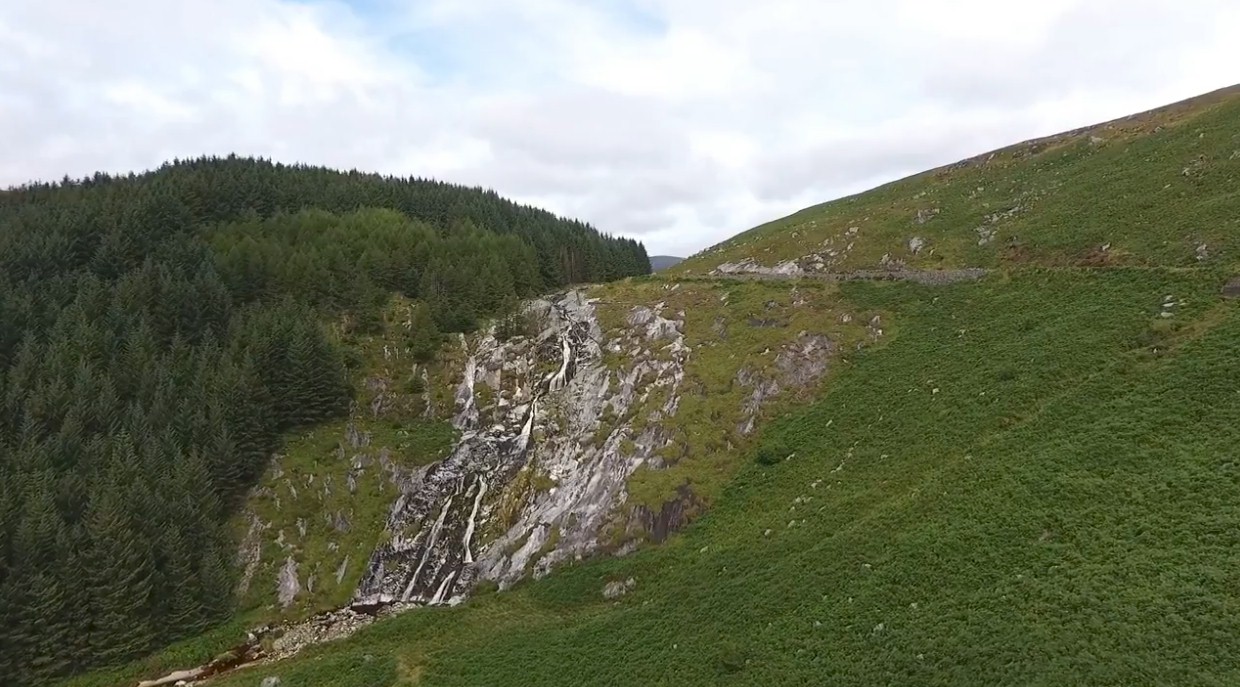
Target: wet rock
point(671, 516)
point(433, 552)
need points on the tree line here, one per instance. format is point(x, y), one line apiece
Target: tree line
point(160, 332)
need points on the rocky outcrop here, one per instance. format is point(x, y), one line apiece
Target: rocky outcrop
point(894, 270)
point(543, 458)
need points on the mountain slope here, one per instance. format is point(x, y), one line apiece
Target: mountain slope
point(1158, 188)
point(1031, 483)
point(1015, 466)
point(658, 263)
point(162, 334)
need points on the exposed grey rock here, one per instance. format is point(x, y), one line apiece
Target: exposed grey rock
point(355, 437)
point(1202, 252)
point(434, 553)
point(324, 627)
point(288, 585)
point(925, 215)
point(250, 553)
point(272, 681)
point(340, 523)
point(750, 266)
point(656, 327)
point(670, 517)
point(340, 571)
point(616, 589)
point(1232, 288)
point(915, 244)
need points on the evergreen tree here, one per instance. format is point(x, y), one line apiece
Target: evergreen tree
point(158, 333)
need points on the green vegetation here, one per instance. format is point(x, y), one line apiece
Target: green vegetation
point(1029, 479)
point(1159, 188)
point(1013, 490)
point(730, 326)
point(160, 334)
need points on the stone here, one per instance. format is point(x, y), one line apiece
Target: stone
point(340, 523)
point(431, 553)
point(915, 244)
point(616, 589)
point(288, 585)
point(1232, 288)
point(272, 681)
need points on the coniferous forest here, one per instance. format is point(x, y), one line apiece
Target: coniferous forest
point(160, 332)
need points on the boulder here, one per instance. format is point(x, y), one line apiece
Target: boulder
point(1232, 288)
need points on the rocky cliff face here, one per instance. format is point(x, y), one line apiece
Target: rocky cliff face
point(542, 462)
point(615, 418)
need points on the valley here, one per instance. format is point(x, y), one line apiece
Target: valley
point(976, 426)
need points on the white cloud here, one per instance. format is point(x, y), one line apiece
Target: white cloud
point(677, 121)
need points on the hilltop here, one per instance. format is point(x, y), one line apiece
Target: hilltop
point(973, 427)
point(658, 263)
point(1152, 189)
point(163, 334)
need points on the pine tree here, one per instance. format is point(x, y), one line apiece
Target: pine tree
point(119, 573)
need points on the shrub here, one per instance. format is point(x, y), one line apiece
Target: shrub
point(772, 451)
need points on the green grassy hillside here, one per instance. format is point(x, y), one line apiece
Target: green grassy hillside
point(1158, 188)
point(1033, 482)
point(1029, 479)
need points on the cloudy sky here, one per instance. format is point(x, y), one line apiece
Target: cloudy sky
point(680, 122)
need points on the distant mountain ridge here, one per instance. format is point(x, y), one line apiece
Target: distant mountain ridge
point(662, 262)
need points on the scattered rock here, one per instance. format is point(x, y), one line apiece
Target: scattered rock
point(288, 585)
point(616, 589)
point(249, 554)
point(915, 244)
point(340, 523)
point(272, 681)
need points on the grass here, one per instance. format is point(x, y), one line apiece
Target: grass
point(729, 325)
point(307, 486)
point(1031, 479)
point(1013, 490)
point(1153, 187)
